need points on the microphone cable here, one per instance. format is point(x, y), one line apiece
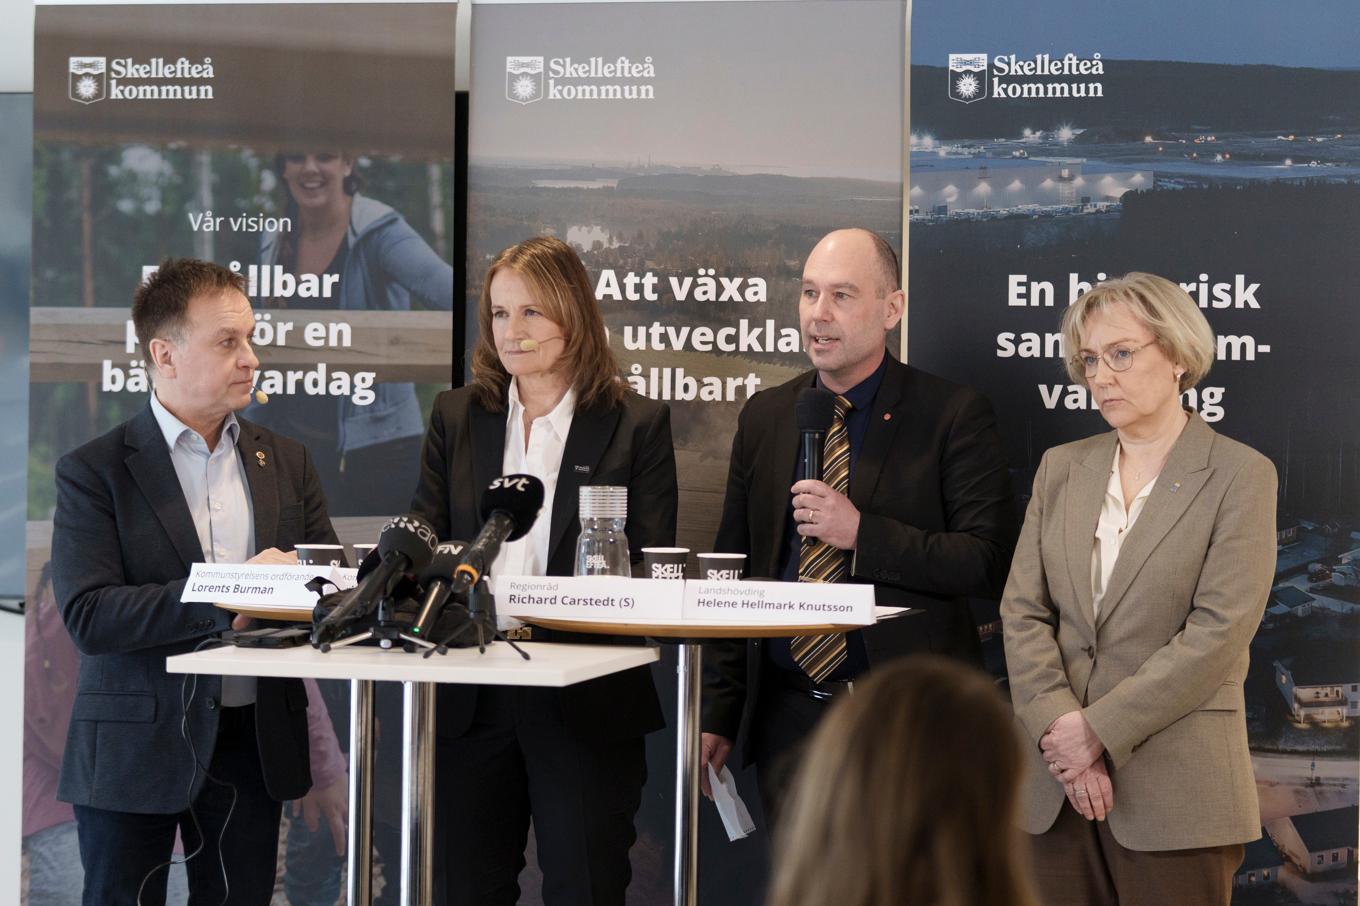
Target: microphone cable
point(187, 736)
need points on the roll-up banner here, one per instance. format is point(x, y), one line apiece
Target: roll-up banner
point(310, 147)
point(692, 153)
point(1054, 145)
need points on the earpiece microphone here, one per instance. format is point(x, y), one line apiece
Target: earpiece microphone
point(260, 396)
point(531, 345)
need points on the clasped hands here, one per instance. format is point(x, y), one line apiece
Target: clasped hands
point(1072, 750)
point(824, 513)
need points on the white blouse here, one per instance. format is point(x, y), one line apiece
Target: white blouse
point(542, 458)
point(1113, 527)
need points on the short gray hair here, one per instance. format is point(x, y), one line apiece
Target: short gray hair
point(1180, 328)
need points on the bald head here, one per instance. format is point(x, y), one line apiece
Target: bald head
point(849, 301)
point(871, 248)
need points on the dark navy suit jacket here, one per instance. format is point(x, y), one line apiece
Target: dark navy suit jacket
point(937, 522)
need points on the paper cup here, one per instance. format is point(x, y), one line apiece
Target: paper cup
point(320, 554)
point(664, 562)
point(361, 551)
point(722, 567)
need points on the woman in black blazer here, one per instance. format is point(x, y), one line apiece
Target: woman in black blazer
point(546, 399)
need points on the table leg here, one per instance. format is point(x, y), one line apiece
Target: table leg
point(359, 850)
point(688, 668)
point(417, 795)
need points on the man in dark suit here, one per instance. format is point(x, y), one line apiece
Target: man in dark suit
point(925, 513)
point(184, 481)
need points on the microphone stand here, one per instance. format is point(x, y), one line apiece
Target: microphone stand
point(386, 629)
point(481, 616)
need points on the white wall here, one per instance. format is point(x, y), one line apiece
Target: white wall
point(16, 45)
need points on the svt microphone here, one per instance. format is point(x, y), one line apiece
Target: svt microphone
point(815, 409)
point(437, 578)
point(509, 506)
point(406, 545)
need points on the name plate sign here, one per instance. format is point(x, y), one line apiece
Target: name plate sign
point(779, 603)
point(258, 584)
point(607, 599)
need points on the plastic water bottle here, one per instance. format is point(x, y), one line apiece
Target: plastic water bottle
point(602, 548)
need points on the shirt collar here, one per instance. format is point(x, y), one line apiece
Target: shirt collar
point(861, 396)
point(559, 418)
point(173, 429)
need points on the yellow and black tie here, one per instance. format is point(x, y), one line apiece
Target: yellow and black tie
point(820, 655)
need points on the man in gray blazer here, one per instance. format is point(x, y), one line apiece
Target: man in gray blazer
point(183, 481)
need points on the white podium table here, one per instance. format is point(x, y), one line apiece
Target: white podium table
point(552, 665)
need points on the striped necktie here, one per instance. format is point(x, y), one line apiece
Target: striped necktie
point(820, 655)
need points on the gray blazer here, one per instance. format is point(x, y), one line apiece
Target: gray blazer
point(122, 544)
point(1159, 673)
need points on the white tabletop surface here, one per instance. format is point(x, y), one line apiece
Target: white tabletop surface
point(549, 664)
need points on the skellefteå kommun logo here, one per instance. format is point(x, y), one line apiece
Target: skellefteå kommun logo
point(967, 77)
point(88, 79)
point(524, 79)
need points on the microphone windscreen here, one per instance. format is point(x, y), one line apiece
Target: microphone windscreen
point(445, 560)
point(816, 408)
point(518, 496)
point(409, 535)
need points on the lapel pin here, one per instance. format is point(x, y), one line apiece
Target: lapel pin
point(887, 416)
point(259, 458)
point(1175, 486)
point(584, 470)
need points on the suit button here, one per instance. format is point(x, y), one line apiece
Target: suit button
point(1090, 651)
point(210, 704)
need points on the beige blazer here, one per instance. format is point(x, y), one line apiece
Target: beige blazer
point(1159, 673)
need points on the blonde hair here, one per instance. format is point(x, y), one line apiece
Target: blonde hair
point(907, 797)
point(560, 285)
point(1180, 328)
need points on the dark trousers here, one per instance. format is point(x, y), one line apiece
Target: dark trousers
point(1079, 863)
point(783, 720)
point(519, 761)
point(124, 852)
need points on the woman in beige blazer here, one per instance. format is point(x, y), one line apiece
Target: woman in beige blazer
point(1140, 577)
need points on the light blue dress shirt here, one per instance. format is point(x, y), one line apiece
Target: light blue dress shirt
point(215, 488)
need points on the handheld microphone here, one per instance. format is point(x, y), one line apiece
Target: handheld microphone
point(407, 544)
point(509, 506)
point(815, 410)
point(529, 345)
point(437, 578)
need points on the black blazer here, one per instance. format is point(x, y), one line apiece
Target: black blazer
point(937, 520)
point(122, 544)
point(628, 444)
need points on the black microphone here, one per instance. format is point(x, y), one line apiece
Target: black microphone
point(406, 544)
point(815, 408)
point(437, 577)
point(509, 506)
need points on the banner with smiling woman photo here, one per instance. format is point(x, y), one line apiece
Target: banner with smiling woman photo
point(309, 147)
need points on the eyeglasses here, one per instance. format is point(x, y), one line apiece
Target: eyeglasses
point(1120, 358)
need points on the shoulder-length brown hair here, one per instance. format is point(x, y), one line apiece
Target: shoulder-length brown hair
point(907, 795)
point(562, 288)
